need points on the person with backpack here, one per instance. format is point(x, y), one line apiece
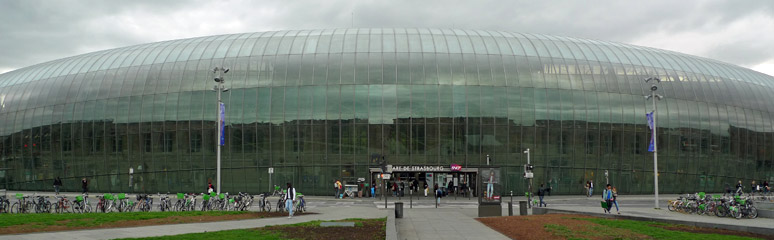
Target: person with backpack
point(542, 193)
point(607, 196)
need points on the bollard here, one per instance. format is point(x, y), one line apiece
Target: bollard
point(510, 208)
point(398, 209)
point(523, 208)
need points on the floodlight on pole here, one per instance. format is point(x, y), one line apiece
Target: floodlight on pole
point(653, 97)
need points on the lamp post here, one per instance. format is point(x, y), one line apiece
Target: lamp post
point(219, 71)
point(653, 96)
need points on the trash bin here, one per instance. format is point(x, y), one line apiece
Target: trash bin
point(523, 208)
point(398, 209)
point(510, 208)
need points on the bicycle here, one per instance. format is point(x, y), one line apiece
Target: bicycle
point(300, 204)
point(277, 191)
point(164, 203)
point(22, 205)
point(264, 203)
point(62, 205)
point(5, 205)
point(81, 204)
point(42, 204)
point(145, 202)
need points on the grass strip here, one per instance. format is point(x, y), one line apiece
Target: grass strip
point(258, 233)
point(650, 229)
point(95, 219)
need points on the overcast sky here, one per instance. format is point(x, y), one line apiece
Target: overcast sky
point(737, 32)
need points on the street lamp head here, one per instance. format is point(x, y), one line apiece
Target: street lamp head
point(653, 88)
point(225, 70)
point(659, 97)
point(647, 97)
point(653, 78)
point(218, 79)
point(226, 89)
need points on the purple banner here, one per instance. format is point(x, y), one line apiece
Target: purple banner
point(222, 124)
point(653, 131)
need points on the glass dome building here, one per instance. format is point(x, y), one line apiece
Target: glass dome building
point(320, 105)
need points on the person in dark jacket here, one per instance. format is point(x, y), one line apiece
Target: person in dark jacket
point(542, 193)
point(57, 184)
point(85, 185)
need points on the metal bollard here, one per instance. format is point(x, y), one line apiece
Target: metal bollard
point(398, 209)
point(510, 208)
point(523, 208)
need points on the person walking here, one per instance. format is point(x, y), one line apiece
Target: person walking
point(591, 188)
point(739, 188)
point(57, 184)
point(438, 194)
point(586, 189)
point(210, 187)
point(336, 187)
point(85, 185)
point(290, 197)
point(615, 200)
point(426, 188)
point(766, 187)
point(542, 193)
point(373, 189)
point(607, 196)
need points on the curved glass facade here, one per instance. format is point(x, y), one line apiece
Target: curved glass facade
point(316, 105)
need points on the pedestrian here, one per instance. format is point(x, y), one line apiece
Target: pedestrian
point(739, 188)
point(541, 194)
point(438, 194)
point(290, 197)
point(373, 189)
point(463, 188)
point(57, 184)
point(394, 189)
point(586, 189)
point(615, 200)
point(752, 186)
point(591, 188)
point(450, 186)
point(426, 188)
point(210, 187)
point(336, 188)
point(85, 185)
point(607, 196)
point(766, 187)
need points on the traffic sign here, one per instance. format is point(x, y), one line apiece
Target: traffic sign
point(271, 170)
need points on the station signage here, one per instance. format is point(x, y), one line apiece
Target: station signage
point(420, 168)
point(455, 168)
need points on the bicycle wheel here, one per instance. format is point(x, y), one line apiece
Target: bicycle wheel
point(721, 211)
point(178, 206)
point(87, 208)
point(671, 206)
point(15, 208)
point(76, 206)
point(752, 212)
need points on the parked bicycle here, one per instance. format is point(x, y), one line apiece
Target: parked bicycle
point(22, 205)
point(165, 203)
point(42, 204)
point(264, 203)
point(5, 205)
point(62, 205)
point(81, 204)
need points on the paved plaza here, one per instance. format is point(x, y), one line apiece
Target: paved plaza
point(453, 218)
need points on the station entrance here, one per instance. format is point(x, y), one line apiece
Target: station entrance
point(411, 179)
